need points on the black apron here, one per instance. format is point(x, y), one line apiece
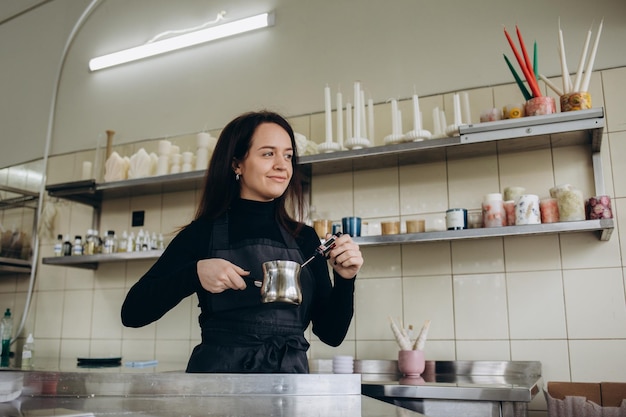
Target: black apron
point(241, 334)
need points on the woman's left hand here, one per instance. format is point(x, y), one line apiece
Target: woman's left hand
point(345, 258)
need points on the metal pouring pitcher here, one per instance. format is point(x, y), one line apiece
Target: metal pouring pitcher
point(281, 282)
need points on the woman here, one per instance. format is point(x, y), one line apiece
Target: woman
point(241, 222)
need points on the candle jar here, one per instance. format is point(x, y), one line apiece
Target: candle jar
point(527, 210)
point(549, 210)
point(509, 209)
point(580, 100)
point(493, 211)
point(513, 111)
point(571, 205)
point(512, 193)
point(490, 115)
point(456, 219)
point(599, 207)
point(540, 105)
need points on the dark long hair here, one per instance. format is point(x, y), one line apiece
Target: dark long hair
point(220, 185)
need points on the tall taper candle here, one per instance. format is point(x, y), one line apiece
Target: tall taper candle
point(348, 120)
point(592, 58)
point(417, 123)
point(363, 118)
point(394, 117)
point(436, 122)
point(340, 119)
point(357, 110)
point(457, 109)
point(467, 118)
point(327, 112)
point(581, 63)
point(370, 120)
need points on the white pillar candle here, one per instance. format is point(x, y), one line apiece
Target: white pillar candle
point(348, 120)
point(466, 110)
point(399, 120)
point(327, 113)
point(202, 140)
point(394, 117)
point(457, 109)
point(174, 150)
point(165, 147)
point(357, 110)
point(340, 119)
point(417, 123)
point(87, 170)
point(436, 122)
point(370, 119)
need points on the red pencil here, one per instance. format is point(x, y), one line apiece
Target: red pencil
point(533, 86)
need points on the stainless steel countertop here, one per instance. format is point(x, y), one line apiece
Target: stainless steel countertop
point(501, 381)
point(172, 394)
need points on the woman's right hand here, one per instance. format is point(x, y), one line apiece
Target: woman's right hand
point(217, 275)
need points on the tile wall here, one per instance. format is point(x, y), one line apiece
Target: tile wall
point(559, 299)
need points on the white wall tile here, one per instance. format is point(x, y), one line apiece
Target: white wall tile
point(532, 253)
point(598, 360)
point(480, 307)
point(553, 355)
point(383, 261)
point(376, 193)
point(173, 351)
point(492, 350)
point(426, 259)
point(617, 142)
point(423, 188)
point(572, 165)
point(477, 256)
point(137, 350)
point(379, 298)
point(178, 210)
point(320, 350)
point(531, 170)
point(377, 350)
point(526, 320)
point(595, 303)
point(116, 215)
point(429, 298)
point(77, 314)
point(70, 349)
point(585, 250)
point(614, 92)
point(471, 178)
point(107, 323)
point(49, 314)
point(105, 348)
point(333, 195)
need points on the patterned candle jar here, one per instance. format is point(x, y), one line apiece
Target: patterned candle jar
point(570, 201)
point(549, 209)
point(540, 105)
point(527, 210)
point(575, 101)
point(599, 207)
point(493, 211)
point(456, 219)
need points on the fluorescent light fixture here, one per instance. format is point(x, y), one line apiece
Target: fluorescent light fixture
point(182, 41)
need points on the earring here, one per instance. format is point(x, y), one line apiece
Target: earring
point(237, 177)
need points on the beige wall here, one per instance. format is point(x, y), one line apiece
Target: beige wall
point(559, 299)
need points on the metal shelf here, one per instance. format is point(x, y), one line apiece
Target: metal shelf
point(92, 261)
point(603, 227)
point(583, 127)
point(14, 266)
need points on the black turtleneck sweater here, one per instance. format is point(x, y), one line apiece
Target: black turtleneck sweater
point(174, 276)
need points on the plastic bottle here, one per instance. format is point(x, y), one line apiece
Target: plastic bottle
point(6, 324)
point(160, 242)
point(28, 352)
point(67, 246)
point(109, 245)
point(77, 249)
point(90, 243)
point(123, 242)
point(58, 246)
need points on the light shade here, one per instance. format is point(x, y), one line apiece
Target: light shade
point(182, 41)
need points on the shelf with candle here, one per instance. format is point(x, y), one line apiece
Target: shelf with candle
point(396, 135)
point(453, 129)
point(358, 141)
point(417, 134)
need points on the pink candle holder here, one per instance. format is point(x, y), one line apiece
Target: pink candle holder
point(411, 363)
point(540, 105)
